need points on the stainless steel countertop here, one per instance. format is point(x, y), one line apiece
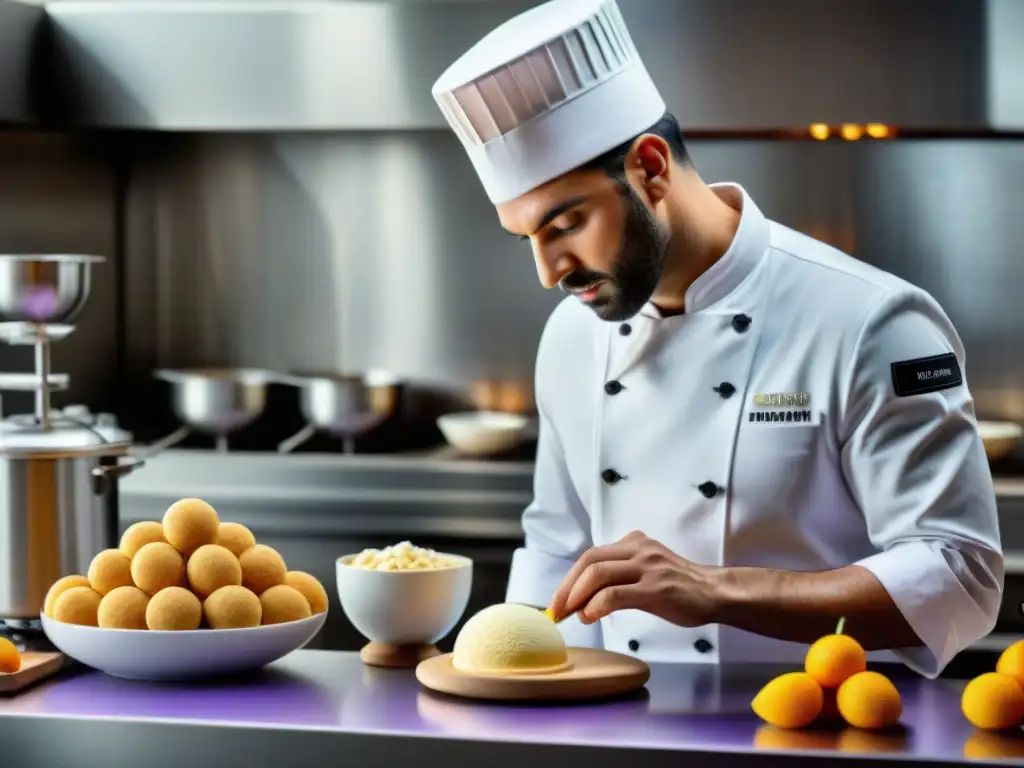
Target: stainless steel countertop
point(313, 706)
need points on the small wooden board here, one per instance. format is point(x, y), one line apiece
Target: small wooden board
point(594, 674)
point(35, 666)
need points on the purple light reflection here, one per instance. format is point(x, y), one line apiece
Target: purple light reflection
point(686, 708)
point(269, 697)
point(39, 303)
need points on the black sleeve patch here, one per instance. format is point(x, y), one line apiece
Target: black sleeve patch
point(926, 374)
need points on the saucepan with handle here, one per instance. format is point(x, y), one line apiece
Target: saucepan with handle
point(214, 401)
point(344, 405)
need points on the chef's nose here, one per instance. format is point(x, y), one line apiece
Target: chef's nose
point(552, 264)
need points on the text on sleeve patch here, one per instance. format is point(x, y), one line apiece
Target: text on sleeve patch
point(926, 374)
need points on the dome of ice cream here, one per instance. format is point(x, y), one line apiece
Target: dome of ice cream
point(510, 639)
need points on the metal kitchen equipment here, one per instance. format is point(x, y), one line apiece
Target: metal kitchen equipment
point(345, 406)
point(58, 470)
point(40, 294)
point(215, 401)
point(58, 504)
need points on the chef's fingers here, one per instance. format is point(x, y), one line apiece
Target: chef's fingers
point(598, 576)
point(618, 551)
point(610, 599)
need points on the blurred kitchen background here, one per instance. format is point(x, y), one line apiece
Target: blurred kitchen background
point(273, 188)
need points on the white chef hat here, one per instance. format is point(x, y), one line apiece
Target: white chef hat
point(546, 92)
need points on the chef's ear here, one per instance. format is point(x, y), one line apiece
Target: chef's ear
point(651, 160)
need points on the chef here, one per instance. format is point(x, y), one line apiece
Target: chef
point(745, 434)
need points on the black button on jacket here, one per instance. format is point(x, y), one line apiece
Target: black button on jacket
point(610, 476)
point(709, 489)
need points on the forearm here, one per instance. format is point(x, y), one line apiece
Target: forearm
point(802, 606)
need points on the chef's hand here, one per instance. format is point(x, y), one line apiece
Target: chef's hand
point(637, 572)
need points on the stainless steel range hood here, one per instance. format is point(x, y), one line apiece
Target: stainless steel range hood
point(20, 25)
point(724, 65)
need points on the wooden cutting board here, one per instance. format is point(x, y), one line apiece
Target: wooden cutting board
point(594, 674)
point(35, 666)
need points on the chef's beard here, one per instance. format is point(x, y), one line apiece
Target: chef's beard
point(637, 267)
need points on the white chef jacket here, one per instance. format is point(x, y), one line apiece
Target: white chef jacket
point(803, 414)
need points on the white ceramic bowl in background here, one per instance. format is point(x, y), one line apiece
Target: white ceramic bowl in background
point(999, 437)
point(168, 656)
point(484, 432)
point(409, 607)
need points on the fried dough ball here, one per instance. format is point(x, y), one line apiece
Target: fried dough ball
point(109, 570)
point(123, 608)
point(174, 609)
point(59, 588)
point(211, 567)
point(189, 524)
point(235, 537)
point(138, 535)
point(78, 605)
point(310, 588)
point(157, 566)
point(232, 608)
point(262, 568)
point(282, 604)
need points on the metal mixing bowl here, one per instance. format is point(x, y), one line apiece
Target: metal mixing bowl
point(217, 400)
point(345, 405)
point(44, 288)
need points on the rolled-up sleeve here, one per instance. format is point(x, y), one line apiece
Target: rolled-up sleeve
point(557, 531)
point(913, 458)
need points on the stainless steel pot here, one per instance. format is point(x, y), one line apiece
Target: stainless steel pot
point(58, 501)
point(217, 401)
point(39, 295)
point(345, 406)
point(49, 289)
